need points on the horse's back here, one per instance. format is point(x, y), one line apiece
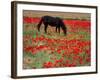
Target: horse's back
point(50, 20)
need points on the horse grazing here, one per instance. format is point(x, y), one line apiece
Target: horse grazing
point(53, 22)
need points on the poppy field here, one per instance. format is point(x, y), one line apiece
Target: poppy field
point(54, 50)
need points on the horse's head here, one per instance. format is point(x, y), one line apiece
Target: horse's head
point(63, 26)
point(64, 30)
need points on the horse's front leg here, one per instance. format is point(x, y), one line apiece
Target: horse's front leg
point(59, 30)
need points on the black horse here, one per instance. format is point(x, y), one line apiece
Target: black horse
point(52, 21)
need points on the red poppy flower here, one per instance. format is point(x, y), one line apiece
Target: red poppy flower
point(48, 64)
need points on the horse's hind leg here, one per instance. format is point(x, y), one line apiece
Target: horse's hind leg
point(56, 29)
point(38, 28)
point(39, 24)
point(45, 28)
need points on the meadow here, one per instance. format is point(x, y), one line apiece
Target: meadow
point(54, 50)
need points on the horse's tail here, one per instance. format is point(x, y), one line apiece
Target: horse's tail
point(38, 26)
